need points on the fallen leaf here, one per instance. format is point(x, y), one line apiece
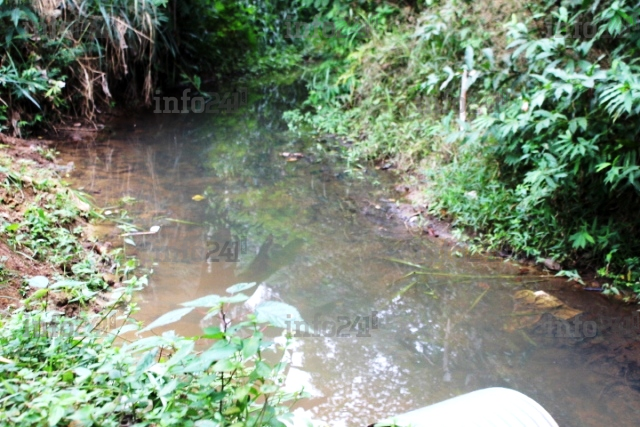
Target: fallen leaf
point(529, 306)
point(198, 198)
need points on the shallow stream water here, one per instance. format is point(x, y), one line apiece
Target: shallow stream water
point(321, 240)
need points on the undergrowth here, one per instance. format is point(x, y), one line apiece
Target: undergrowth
point(544, 163)
point(79, 369)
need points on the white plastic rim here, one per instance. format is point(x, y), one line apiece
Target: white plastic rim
point(490, 407)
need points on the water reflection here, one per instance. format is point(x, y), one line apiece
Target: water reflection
point(324, 244)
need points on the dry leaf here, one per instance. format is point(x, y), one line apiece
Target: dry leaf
point(529, 306)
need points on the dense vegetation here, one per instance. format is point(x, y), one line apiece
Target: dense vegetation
point(75, 59)
point(74, 370)
point(517, 121)
point(546, 163)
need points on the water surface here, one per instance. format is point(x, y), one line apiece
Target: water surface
point(321, 241)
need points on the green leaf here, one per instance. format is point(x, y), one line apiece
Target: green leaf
point(12, 227)
point(468, 57)
point(277, 313)
point(145, 362)
point(184, 350)
point(240, 287)
point(451, 74)
point(81, 374)
point(580, 239)
point(225, 365)
point(213, 333)
point(234, 298)
point(167, 318)
point(250, 346)
point(129, 241)
point(206, 301)
point(221, 350)
point(55, 415)
point(68, 284)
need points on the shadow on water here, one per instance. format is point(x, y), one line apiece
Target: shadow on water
point(231, 209)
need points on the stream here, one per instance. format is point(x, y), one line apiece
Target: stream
point(322, 240)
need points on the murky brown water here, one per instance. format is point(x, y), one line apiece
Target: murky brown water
point(316, 239)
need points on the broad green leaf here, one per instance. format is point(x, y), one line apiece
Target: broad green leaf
point(206, 301)
point(240, 287)
point(277, 313)
point(184, 350)
point(145, 362)
point(221, 350)
point(225, 365)
point(81, 374)
point(55, 415)
point(250, 346)
point(167, 318)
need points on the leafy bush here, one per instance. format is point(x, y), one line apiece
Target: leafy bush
point(547, 162)
point(78, 376)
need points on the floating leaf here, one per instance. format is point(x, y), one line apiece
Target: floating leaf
point(167, 318)
point(198, 198)
point(238, 287)
point(38, 282)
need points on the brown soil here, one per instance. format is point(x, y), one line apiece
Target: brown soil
point(16, 265)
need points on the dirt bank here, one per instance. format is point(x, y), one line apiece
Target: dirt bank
point(44, 234)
